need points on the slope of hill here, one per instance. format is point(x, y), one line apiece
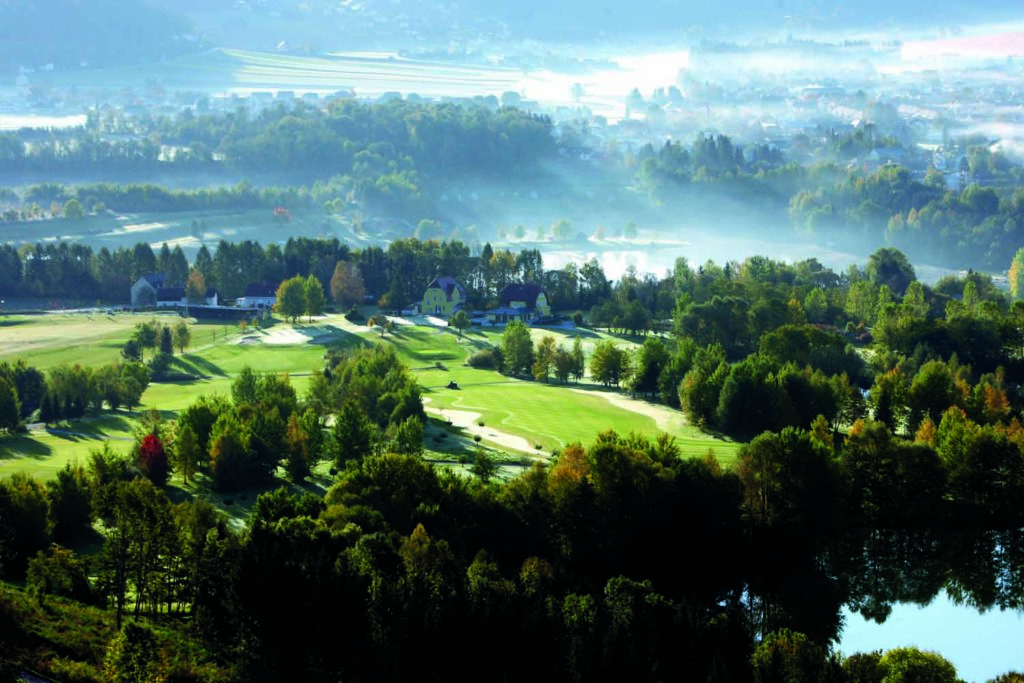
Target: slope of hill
point(72, 33)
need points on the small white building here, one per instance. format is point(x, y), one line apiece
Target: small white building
point(258, 295)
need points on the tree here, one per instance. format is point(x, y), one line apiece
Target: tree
point(73, 209)
point(1016, 275)
point(133, 656)
point(182, 335)
point(381, 321)
point(517, 348)
point(890, 266)
point(562, 230)
point(140, 533)
point(146, 334)
point(579, 360)
point(460, 321)
point(650, 361)
point(291, 298)
point(195, 287)
point(10, 408)
point(544, 358)
point(353, 435)
point(788, 656)
point(563, 364)
point(132, 351)
point(166, 341)
point(484, 465)
point(609, 364)
point(153, 460)
point(313, 294)
point(70, 514)
point(890, 400)
point(298, 460)
point(347, 287)
point(187, 452)
point(909, 665)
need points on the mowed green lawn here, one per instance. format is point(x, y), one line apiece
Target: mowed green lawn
point(549, 415)
point(43, 452)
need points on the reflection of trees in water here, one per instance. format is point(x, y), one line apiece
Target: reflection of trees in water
point(873, 571)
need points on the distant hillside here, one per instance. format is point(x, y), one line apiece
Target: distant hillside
point(68, 33)
point(389, 24)
point(578, 18)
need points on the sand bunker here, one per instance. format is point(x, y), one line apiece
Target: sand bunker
point(467, 421)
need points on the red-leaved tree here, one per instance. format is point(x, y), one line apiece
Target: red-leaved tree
point(153, 460)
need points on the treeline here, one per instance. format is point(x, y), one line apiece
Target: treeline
point(67, 391)
point(396, 276)
point(377, 154)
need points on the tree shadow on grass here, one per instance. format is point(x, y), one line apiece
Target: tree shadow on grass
point(23, 446)
point(198, 365)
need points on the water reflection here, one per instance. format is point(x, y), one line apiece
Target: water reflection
point(880, 589)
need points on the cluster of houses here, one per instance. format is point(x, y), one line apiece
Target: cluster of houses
point(525, 302)
point(149, 291)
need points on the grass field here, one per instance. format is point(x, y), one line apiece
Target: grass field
point(221, 70)
point(175, 228)
point(544, 415)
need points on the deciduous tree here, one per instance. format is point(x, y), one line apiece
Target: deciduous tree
point(517, 348)
point(313, 295)
point(347, 287)
point(182, 336)
point(460, 321)
point(291, 298)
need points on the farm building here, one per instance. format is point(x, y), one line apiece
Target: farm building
point(144, 290)
point(444, 296)
point(258, 295)
point(523, 302)
point(169, 297)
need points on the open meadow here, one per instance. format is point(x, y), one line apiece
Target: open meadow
point(516, 421)
point(188, 229)
point(243, 71)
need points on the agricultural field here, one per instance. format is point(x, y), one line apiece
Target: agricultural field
point(242, 71)
point(515, 421)
point(188, 229)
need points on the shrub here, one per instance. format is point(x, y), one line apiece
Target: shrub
point(485, 359)
point(153, 460)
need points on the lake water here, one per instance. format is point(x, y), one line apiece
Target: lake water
point(980, 646)
point(658, 256)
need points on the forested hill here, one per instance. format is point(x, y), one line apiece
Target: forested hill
point(68, 33)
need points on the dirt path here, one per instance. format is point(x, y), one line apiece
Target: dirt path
point(467, 420)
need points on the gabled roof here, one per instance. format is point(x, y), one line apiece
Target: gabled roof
point(155, 279)
point(526, 292)
point(448, 285)
point(178, 293)
point(260, 289)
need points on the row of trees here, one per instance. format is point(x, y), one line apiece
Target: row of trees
point(67, 391)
